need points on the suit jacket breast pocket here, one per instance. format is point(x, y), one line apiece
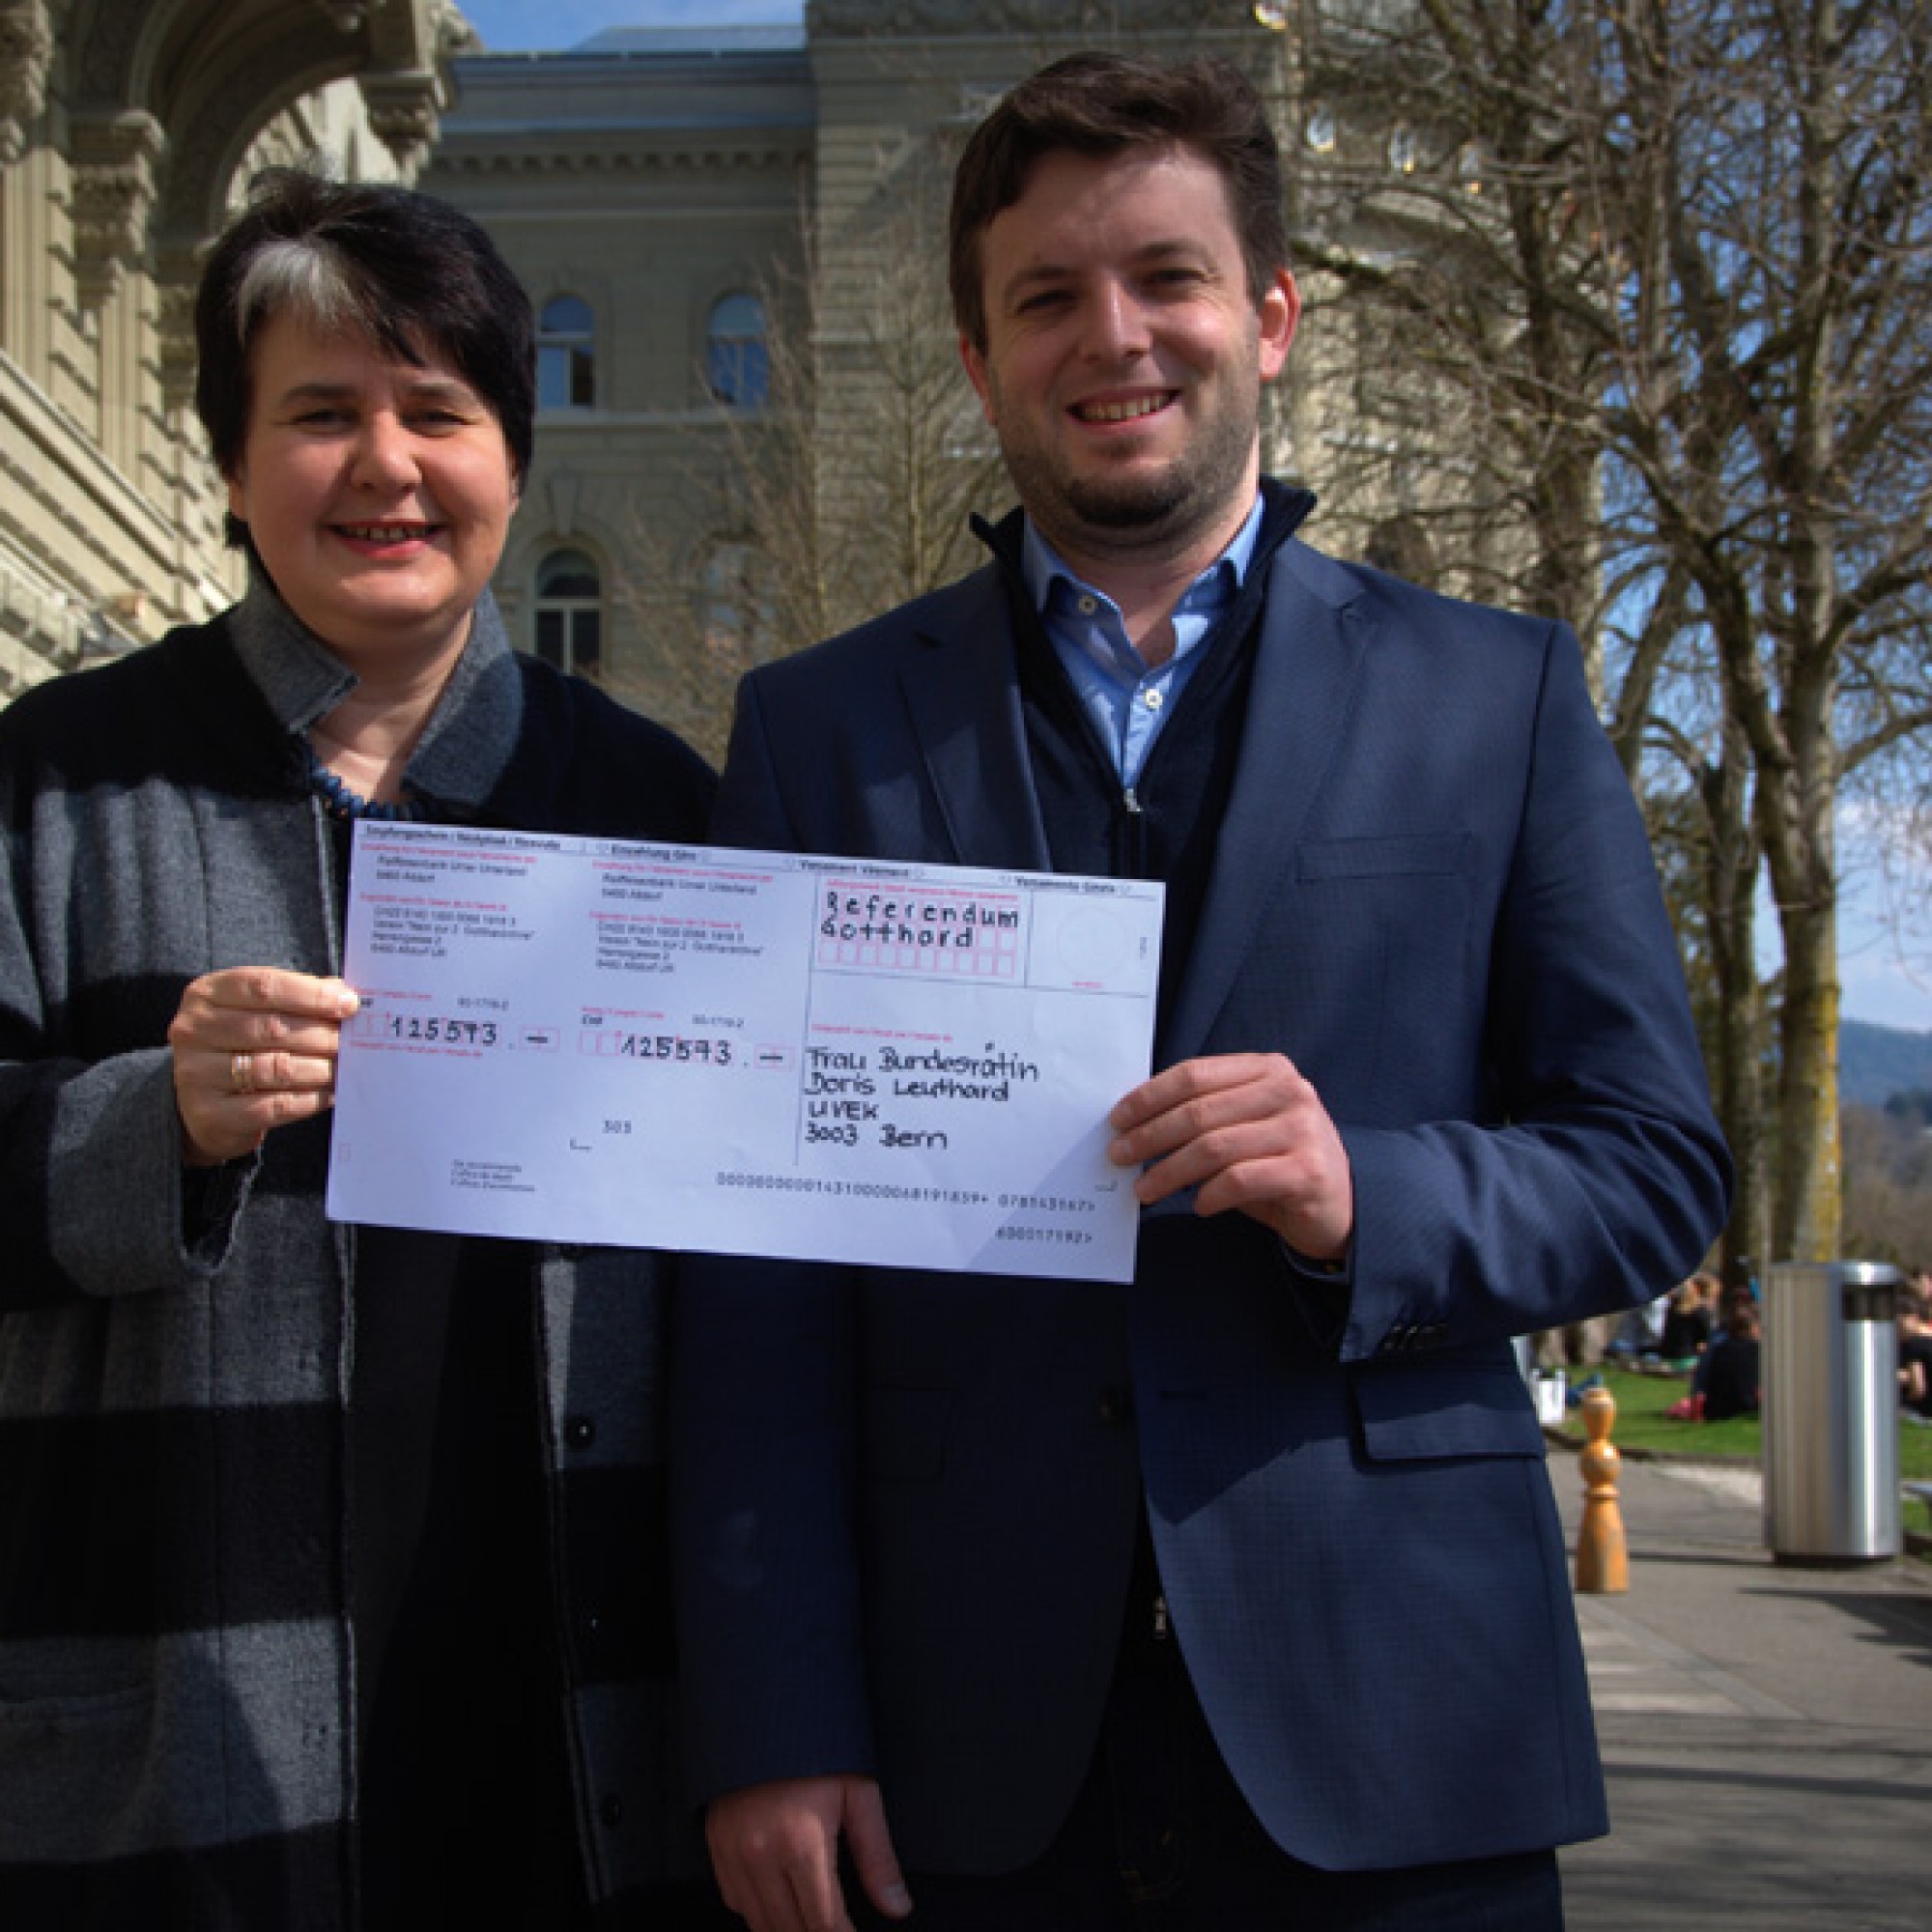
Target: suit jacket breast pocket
point(1402, 855)
point(1384, 970)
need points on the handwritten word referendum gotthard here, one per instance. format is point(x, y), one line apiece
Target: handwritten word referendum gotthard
point(942, 919)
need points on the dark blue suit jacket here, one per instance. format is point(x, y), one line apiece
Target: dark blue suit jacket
point(907, 1502)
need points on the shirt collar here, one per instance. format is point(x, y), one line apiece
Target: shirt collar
point(1215, 588)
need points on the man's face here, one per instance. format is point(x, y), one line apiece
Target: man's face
point(1124, 354)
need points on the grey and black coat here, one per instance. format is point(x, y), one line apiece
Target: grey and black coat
point(177, 1697)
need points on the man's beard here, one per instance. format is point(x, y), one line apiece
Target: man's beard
point(1143, 503)
point(1168, 507)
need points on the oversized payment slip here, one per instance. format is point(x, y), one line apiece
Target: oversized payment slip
point(751, 1053)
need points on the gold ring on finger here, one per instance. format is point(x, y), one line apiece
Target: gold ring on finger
point(241, 1072)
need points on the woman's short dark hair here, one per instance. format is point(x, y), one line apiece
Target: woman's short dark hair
point(1099, 103)
point(408, 271)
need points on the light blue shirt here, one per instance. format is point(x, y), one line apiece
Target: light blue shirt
point(1127, 701)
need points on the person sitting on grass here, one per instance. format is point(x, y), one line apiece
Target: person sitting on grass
point(1686, 1327)
point(1732, 1365)
point(1914, 1353)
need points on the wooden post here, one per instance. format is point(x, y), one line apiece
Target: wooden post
point(1602, 1562)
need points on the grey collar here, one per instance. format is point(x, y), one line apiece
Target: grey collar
point(468, 744)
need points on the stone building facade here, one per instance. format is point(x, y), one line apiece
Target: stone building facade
point(648, 188)
point(126, 130)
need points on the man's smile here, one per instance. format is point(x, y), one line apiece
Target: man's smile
point(1125, 410)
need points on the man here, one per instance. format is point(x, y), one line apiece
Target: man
point(1234, 1598)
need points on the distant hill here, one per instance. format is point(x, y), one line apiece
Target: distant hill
point(1877, 1061)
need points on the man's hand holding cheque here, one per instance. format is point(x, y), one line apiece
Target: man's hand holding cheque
point(1246, 1131)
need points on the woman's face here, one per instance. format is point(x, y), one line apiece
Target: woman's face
point(378, 493)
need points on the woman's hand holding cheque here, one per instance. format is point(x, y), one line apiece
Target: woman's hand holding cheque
point(255, 1048)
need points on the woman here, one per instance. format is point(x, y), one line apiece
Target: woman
point(1687, 1329)
point(331, 1586)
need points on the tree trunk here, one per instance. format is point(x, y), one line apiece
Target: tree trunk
point(1737, 1028)
point(1809, 1196)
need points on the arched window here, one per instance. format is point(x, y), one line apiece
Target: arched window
point(566, 354)
point(570, 612)
point(737, 359)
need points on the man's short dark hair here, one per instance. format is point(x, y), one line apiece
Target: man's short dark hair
point(410, 273)
point(1101, 103)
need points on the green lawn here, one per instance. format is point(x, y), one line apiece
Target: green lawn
point(1641, 1424)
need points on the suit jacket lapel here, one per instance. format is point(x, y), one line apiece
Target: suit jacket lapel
point(962, 691)
point(1306, 678)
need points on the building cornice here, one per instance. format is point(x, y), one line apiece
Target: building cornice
point(1048, 21)
point(736, 158)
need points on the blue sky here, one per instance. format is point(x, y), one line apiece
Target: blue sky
point(1885, 933)
point(522, 27)
point(1884, 977)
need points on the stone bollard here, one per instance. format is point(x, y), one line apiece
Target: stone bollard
point(1602, 1562)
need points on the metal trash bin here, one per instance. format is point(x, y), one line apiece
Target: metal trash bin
point(1831, 1412)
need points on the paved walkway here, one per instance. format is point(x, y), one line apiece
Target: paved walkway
point(1767, 1729)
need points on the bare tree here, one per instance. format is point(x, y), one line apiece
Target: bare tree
point(1673, 270)
point(1786, 454)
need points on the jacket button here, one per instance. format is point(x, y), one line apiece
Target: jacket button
point(1117, 1406)
point(580, 1431)
point(610, 1810)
